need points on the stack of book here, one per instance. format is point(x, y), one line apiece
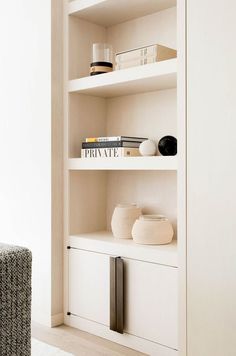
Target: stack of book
point(111, 147)
point(144, 55)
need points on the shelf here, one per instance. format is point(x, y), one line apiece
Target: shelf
point(104, 242)
point(149, 77)
point(112, 12)
point(126, 163)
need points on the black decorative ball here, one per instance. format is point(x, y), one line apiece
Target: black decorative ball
point(168, 146)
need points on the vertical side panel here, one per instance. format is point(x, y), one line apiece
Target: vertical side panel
point(211, 177)
point(181, 174)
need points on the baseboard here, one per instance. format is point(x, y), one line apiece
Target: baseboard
point(57, 319)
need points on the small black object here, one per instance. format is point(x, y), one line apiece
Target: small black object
point(68, 247)
point(103, 64)
point(68, 313)
point(168, 146)
point(100, 68)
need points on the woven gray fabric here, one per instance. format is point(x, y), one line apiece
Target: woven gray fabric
point(15, 301)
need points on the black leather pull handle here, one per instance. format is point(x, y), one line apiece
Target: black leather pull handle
point(119, 295)
point(116, 294)
point(112, 293)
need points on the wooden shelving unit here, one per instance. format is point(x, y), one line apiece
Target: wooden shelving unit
point(139, 101)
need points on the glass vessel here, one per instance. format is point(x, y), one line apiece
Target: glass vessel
point(102, 55)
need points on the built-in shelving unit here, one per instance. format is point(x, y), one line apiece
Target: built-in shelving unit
point(141, 102)
point(150, 77)
point(132, 163)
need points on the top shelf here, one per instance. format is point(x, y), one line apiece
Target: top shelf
point(112, 12)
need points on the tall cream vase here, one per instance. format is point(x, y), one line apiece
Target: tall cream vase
point(123, 219)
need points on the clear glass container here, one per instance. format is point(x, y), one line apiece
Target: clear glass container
point(102, 52)
point(102, 56)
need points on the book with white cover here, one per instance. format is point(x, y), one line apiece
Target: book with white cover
point(134, 63)
point(110, 152)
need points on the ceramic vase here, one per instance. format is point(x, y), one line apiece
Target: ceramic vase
point(152, 230)
point(123, 219)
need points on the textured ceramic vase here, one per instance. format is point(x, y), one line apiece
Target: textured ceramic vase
point(148, 148)
point(123, 219)
point(152, 230)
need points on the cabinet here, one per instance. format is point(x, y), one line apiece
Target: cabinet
point(150, 295)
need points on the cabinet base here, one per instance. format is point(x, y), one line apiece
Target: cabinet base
point(131, 341)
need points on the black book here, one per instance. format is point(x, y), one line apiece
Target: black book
point(129, 144)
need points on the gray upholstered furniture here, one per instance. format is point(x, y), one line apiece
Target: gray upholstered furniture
point(15, 301)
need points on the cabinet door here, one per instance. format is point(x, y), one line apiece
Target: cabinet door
point(89, 281)
point(151, 302)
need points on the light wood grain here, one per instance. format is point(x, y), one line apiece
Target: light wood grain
point(80, 343)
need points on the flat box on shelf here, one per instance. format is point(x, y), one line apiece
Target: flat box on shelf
point(159, 52)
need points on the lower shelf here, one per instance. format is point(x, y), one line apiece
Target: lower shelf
point(104, 242)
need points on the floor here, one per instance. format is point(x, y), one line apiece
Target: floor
point(80, 343)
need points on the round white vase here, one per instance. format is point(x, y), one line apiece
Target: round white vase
point(152, 230)
point(148, 148)
point(123, 219)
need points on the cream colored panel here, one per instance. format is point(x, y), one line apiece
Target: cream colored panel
point(211, 246)
point(89, 285)
point(151, 302)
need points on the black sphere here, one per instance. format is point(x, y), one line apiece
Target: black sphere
point(168, 146)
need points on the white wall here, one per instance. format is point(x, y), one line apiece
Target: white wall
point(25, 139)
point(211, 228)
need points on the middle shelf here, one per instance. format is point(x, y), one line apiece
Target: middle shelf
point(149, 77)
point(124, 163)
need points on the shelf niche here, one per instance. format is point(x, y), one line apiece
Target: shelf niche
point(94, 195)
point(151, 115)
point(156, 28)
